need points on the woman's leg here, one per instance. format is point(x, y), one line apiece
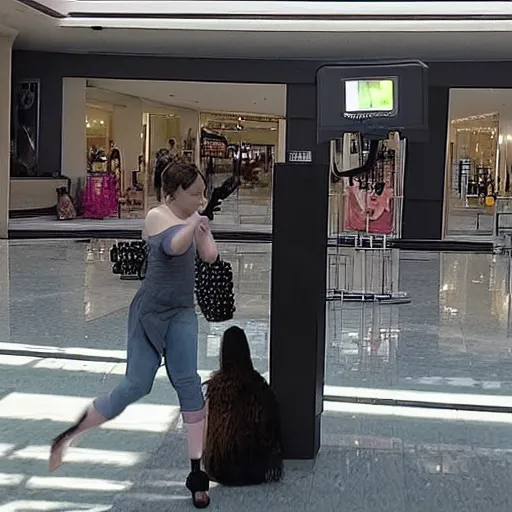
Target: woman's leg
point(142, 364)
point(181, 364)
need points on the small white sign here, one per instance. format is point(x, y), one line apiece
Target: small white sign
point(300, 156)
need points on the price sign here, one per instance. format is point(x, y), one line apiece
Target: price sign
point(302, 157)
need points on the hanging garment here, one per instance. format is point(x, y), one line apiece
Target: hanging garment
point(100, 196)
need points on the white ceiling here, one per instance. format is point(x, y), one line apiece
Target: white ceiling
point(263, 99)
point(474, 102)
point(39, 32)
point(276, 8)
point(268, 99)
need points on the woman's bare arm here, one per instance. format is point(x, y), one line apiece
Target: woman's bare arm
point(181, 241)
point(206, 246)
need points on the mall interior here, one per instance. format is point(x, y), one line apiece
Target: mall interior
point(378, 304)
point(118, 126)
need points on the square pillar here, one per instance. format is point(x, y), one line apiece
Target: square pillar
point(74, 146)
point(298, 283)
point(6, 40)
point(424, 181)
point(126, 133)
point(281, 142)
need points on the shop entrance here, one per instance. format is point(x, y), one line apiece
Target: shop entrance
point(478, 199)
point(121, 128)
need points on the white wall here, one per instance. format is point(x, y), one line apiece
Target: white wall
point(157, 134)
point(126, 134)
point(74, 146)
point(281, 144)
point(187, 119)
point(5, 130)
point(190, 119)
point(32, 194)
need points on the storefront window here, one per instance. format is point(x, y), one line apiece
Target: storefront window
point(475, 174)
point(244, 146)
point(98, 129)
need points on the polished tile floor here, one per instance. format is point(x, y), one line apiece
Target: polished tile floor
point(62, 337)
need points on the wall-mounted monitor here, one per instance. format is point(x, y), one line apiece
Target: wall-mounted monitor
point(371, 95)
point(373, 98)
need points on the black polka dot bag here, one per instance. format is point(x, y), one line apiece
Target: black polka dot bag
point(214, 290)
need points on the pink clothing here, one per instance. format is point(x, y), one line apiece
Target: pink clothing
point(359, 203)
point(100, 198)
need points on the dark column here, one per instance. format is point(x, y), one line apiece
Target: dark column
point(50, 106)
point(425, 172)
point(50, 125)
point(299, 260)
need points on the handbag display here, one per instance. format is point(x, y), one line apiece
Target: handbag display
point(213, 281)
point(214, 290)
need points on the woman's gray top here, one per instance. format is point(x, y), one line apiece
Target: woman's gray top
point(167, 288)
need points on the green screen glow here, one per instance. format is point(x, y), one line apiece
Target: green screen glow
point(369, 95)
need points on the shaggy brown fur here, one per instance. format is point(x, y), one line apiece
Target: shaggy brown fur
point(243, 442)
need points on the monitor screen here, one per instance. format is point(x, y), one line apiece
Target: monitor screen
point(370, 95)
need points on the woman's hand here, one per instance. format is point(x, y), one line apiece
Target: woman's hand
point(204, 240)
point(203, 225)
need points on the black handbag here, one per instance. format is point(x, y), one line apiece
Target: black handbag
point(214, 290)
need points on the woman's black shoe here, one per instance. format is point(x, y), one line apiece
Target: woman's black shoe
point(198, 481)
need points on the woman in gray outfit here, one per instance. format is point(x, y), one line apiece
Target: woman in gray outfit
point(162, 322)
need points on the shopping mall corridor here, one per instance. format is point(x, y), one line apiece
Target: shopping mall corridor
point(62, 337)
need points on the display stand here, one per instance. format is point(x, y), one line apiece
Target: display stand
point(102, 185)
point(502, 225)
point(367, 119)
point(100, 196)
point(373, 337)
point(365, 216)
point(128, 259)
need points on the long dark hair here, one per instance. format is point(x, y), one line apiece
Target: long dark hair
point(235, 354)
point(243, 445)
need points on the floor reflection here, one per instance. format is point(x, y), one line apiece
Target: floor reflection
point(454, 336)
point(63, 333)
